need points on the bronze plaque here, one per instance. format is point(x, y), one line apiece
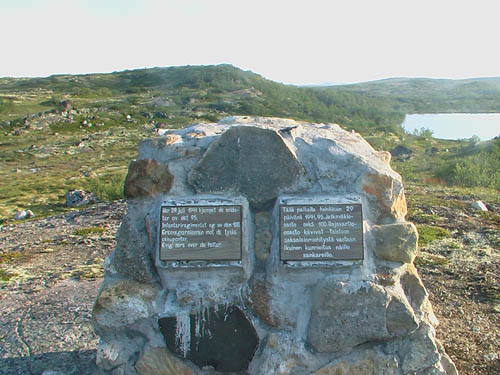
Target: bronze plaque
point(201, 232)
point(321, 232)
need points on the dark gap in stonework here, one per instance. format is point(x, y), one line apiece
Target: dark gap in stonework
point(221, 337)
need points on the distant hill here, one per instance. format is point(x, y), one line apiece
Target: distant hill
point(425, 95)
point(207, 93)
point(211, 92)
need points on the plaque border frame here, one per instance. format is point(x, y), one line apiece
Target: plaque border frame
point(203, 204)
point(327, 203)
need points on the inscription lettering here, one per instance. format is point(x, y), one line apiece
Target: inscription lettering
point(321, 232)
point(200, 232)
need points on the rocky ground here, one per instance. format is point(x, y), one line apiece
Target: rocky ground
point(51, 270)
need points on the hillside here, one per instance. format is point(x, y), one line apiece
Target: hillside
point(204, 93)
point(424, 95)
point(81, 131)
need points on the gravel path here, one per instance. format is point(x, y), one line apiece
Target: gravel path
point(45, 310)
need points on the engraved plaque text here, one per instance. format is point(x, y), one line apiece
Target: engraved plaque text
point(321, 232)
point(201, 232)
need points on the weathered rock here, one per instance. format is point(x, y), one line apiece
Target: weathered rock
point(260, 302)
point(123, 302)
point(479, 205)
point(115, 351)
point(419, 351)
point(364, 362)
point(366, 313)
point(252, 161)
point(76, 198)
point(388, 193)
point(132, 256)
point(344, 318)
point(401, 152)
point(147, 178)
point(263, 236)
point(385, 156)
point(400, 317)
point(278, 303)
point(396, 242)
point(159, 361)
point(416, 295)
point(24, 214)
point(284, 354)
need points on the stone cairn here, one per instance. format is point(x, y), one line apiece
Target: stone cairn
point(265, 246)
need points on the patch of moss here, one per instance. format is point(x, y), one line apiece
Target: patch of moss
point(88, 231)
point(491, 217)
point(9, 256)
point(422, 218)
point(429, 233)
point(6, 276)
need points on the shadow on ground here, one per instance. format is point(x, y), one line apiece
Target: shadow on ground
point(78, 362)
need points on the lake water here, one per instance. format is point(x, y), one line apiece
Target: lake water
point(456, 125)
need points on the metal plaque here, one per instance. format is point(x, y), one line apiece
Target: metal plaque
point(321, 232)
point(201, 232)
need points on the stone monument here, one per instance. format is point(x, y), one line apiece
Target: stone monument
point(265, 246)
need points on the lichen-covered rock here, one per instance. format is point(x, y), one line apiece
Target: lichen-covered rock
point(417, 295)
point(284, 354)
point(123, 302)
point(115, 351)
point(388, 194)
point(343, 318)
point(396, 242)
point(419, 351)
point(264, 314)
point(132, 256)
point(159, 361)
point(399, 316)
point(263, 236)
point(75, 198)
point(147, 178)
point(251, 161)
point(364, 362)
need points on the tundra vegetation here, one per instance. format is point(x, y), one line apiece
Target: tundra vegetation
point(69, 132)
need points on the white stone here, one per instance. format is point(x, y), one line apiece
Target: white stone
point(479, 205)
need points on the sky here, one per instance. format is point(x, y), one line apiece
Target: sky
point(297, 42)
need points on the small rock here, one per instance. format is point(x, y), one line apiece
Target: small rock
point(79, 198)
point(52, 372)
point(401, 152)
point(479, 205)
point(24, 214)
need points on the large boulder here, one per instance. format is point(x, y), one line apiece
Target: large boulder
point(251, 161)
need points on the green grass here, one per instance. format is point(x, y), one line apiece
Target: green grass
point(8, 257)
point(6, 276)
point(428, 234)
point(87, 231)
point(107, 187)
point(187, 95)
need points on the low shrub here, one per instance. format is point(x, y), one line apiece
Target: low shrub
point(107, 187)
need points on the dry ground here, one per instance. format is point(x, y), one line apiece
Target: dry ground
point(54, 269)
